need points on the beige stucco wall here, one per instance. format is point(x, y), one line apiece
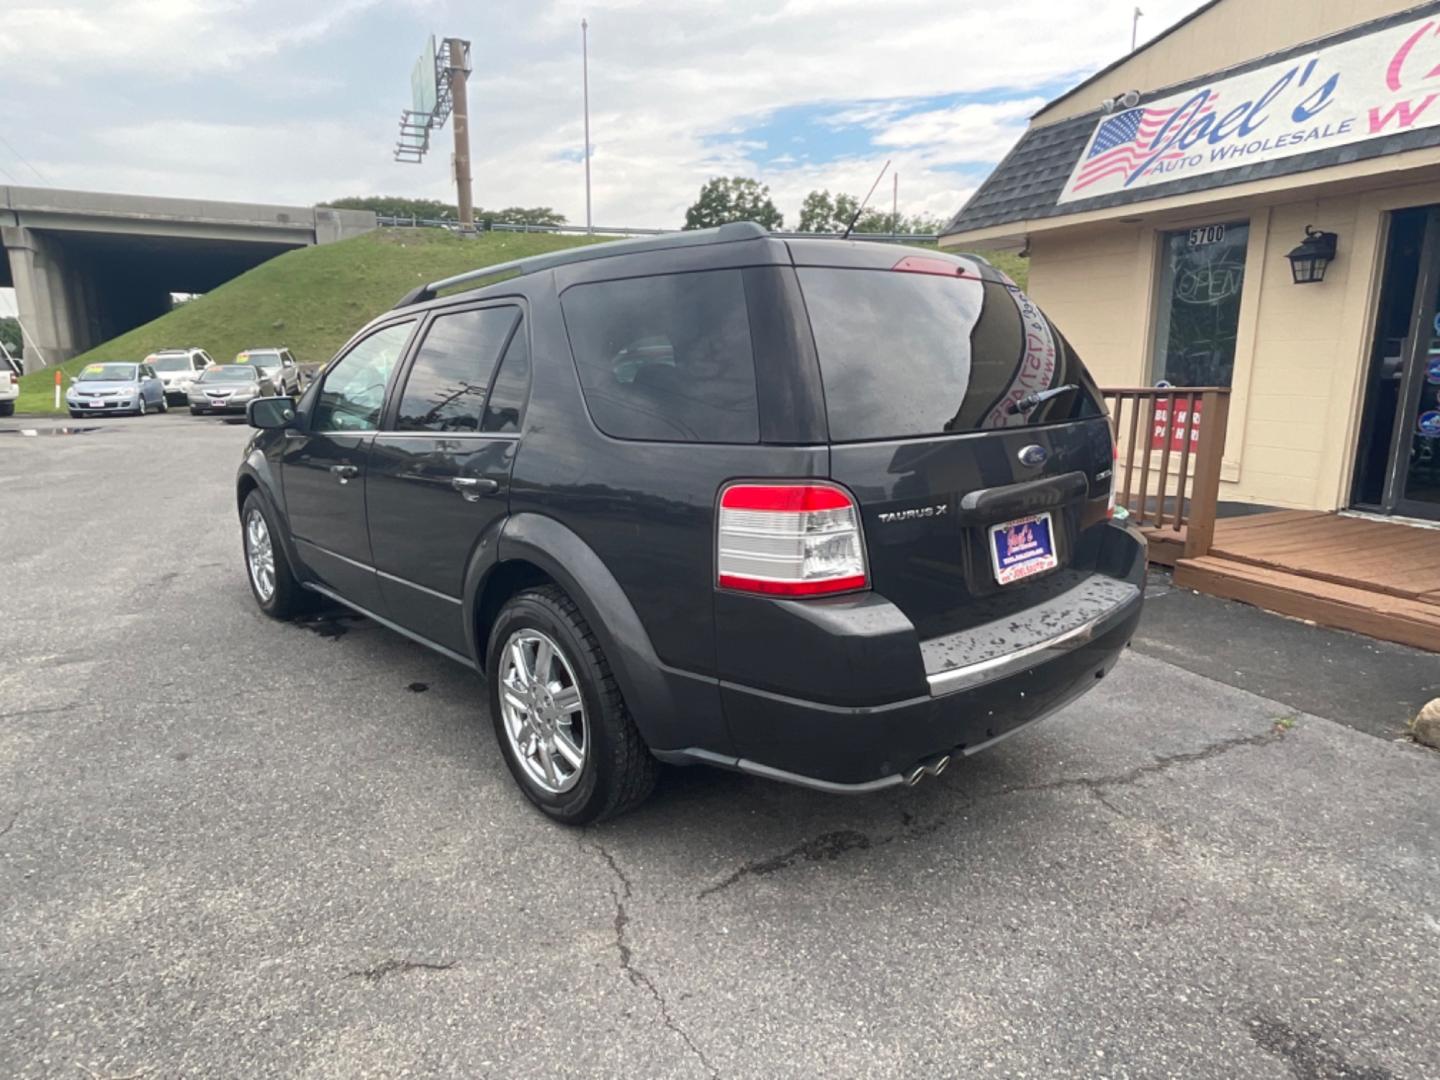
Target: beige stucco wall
point(1301, 353)
point(1230, 33)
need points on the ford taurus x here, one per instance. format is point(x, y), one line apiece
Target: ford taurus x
point(827, 512)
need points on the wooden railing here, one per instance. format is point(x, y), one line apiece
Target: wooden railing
point(1170, 442)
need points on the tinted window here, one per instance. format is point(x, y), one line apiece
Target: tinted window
point(354, 389)
point(666, 358)
point(445, 390)
point(506, 408)
point(904, 354)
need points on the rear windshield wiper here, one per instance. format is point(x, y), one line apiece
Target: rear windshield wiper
point(1039, 397)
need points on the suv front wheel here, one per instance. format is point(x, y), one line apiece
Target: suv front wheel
point(559, 716)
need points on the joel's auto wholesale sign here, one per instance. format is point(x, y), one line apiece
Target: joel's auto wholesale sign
point(1381, 83)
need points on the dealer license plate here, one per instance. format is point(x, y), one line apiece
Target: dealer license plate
point(97, 404)
point(1022, 548)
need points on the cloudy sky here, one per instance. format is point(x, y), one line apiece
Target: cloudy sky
point(297, 100)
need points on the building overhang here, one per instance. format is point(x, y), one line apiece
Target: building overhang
point(1395, 170)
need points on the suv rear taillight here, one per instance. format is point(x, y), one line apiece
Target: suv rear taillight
point(790, 540)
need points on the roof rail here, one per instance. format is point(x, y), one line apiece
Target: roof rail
point(735, 230)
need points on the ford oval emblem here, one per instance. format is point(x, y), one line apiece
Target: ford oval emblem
point(1033, 455)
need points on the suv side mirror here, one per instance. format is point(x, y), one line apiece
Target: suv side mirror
point(270, 413)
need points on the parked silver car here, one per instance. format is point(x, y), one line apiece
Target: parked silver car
point(228, 388)
point(178, 369)
point(115, 387)
point(278, 365)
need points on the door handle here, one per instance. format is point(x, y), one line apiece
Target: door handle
point(472, 487)
point(345, 473)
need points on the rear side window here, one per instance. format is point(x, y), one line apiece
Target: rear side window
point(505, 409)
point(445, 390)
point(909, 354)
point(666, 358)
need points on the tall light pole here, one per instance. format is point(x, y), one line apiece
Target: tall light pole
point(585, 67)
point(1135, 27)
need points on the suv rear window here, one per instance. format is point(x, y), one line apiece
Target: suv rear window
point(666, 358)
point(912, 354)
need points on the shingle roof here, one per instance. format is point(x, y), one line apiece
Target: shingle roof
point(1026, 184)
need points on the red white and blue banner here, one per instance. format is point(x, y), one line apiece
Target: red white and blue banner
point(1382, 83)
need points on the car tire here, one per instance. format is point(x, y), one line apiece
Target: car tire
point(194, 411)
point(617, 770)
point(285, 598)
point(7, 408)
point(75, 415)
point(164, 406)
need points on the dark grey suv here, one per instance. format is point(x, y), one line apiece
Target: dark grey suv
point(826, 512)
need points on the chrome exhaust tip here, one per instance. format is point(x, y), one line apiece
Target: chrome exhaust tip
point(935, 766)
point(913, 776)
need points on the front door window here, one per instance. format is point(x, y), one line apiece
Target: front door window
point(1202, 273)
point(354, 389)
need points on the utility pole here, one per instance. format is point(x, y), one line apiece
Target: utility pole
point(585, 68)
point(1135, 28)
point(458, 69)
point(895, 203)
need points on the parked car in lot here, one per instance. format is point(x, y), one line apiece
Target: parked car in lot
point(178, 369)
point(9, 385)
point(278, 365)
point(118, 386)
point(228, 388)
point(658, 539)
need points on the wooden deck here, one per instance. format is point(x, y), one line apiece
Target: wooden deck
point(1374, 577)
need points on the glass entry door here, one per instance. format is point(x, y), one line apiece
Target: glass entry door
point(1398, 464)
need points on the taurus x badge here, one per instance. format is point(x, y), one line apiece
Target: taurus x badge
point(1033, 455)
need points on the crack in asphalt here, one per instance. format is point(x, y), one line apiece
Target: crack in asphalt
point(394, 966)
point(40, 712)
point(635, 975)
point(13, 818)
point(1306, 1053)
point(1096, 784)
point(830, 846)
point(826, 847)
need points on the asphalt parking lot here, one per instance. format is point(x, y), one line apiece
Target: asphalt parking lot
point(230, 847)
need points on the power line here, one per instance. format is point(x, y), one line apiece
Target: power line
point(21, 158)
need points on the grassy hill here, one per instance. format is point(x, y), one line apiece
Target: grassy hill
point(313, 299)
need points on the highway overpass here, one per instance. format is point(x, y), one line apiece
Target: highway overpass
point(86, 266)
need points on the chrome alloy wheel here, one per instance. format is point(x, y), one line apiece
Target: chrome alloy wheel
point(260, 555)
point(543, 712)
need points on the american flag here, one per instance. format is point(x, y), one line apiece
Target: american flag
point(1123, 141)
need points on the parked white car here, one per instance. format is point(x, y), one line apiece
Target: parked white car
point(9, 385)
point(178, 369)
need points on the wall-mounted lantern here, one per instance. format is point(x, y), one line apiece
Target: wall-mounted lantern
point(1308, 261)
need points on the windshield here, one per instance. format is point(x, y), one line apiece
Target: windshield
point(171, 362)
point(107, 373)
point(260, 359)
point(229, 373)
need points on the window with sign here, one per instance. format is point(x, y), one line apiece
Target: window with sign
point(1202, 275)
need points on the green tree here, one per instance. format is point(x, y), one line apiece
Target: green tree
point(817, 212)
point(10, 335)
point(823, 214)
point(735, 198)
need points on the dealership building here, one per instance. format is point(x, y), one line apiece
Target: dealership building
point(1252, 201)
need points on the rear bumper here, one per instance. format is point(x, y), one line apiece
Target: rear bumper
point(977, 692)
